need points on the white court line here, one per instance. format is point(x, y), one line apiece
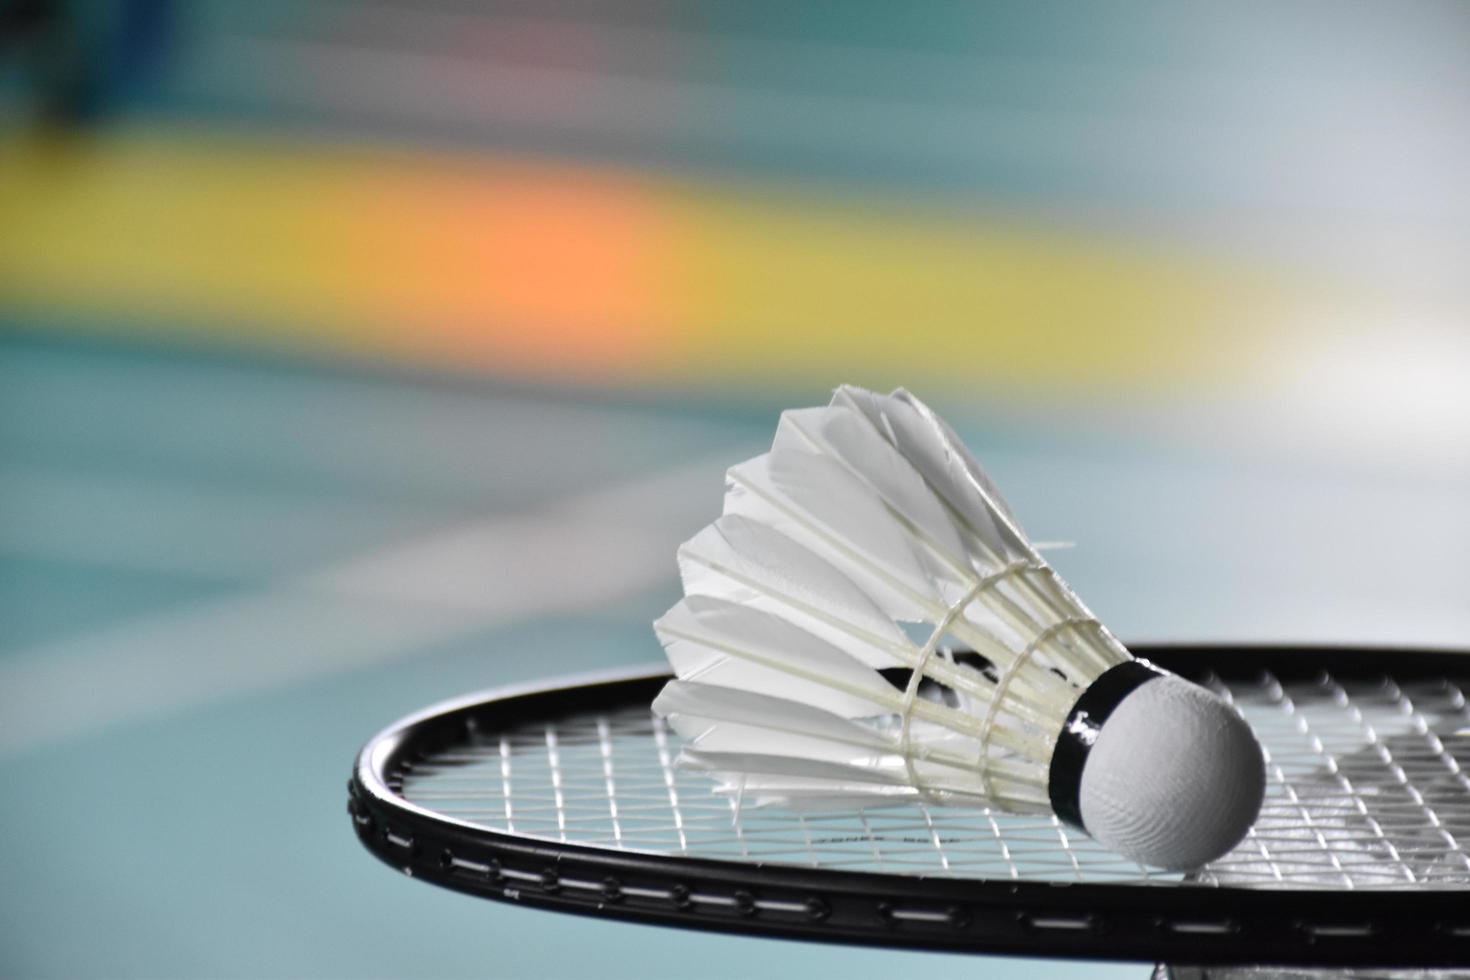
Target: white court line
point(572, 555)
point(216, 425)
point(186, 529)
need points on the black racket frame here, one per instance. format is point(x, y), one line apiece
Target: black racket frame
point(1185, 924)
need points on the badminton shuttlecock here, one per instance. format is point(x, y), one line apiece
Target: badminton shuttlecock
point(867, 624)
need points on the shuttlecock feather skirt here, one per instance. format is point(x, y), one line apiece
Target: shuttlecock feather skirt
point(865, 544)
point(867, 624)
point(878, 716)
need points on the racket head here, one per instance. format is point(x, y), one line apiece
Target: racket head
point(564, 796)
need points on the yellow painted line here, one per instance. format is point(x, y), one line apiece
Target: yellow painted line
point(537, 267)
point(495, 263)
point(892, 293)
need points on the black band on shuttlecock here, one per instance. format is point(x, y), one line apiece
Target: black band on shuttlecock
point(1080, 731)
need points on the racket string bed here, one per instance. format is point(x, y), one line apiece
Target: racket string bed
point(570, 796)
point(1367, 791)
point(1361, 773)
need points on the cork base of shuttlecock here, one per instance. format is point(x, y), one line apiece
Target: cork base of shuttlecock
point(1174, 778)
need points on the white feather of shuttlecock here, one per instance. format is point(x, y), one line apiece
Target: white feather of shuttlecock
point(868, 538)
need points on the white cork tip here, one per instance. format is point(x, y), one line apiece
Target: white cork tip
point(1175, 778)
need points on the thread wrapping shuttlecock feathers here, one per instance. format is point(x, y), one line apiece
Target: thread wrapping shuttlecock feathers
point(867, 624)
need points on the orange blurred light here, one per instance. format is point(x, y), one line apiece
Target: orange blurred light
point(540, 268)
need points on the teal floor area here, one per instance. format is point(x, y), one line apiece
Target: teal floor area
point(219, 576)
point(186, 670)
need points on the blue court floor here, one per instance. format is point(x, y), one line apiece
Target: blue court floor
point(220, 575)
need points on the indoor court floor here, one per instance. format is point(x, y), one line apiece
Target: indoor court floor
point(222, 574)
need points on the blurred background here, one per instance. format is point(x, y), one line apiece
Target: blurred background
point(355, 355)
